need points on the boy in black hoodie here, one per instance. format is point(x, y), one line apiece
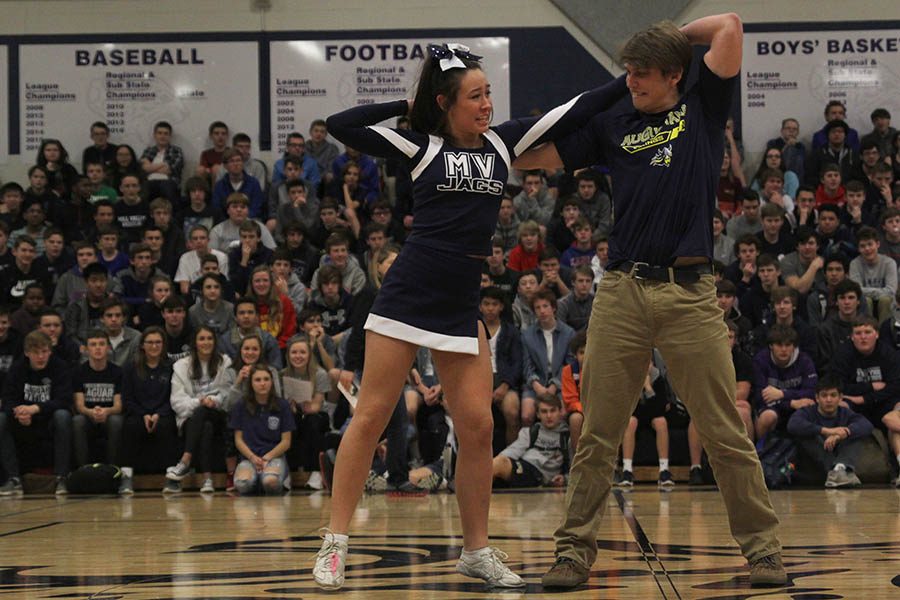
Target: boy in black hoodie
point(870, 372)
point(37, 401)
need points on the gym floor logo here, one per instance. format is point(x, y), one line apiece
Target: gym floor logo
point(424, 566)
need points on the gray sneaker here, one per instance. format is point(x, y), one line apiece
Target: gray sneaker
point(61, 489)
point(125, 487)
point(172, 487)
point(12, 487)
point(841, 478)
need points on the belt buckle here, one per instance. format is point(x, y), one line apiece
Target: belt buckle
point(633, 273)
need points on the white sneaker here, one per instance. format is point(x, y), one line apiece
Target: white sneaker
point(207, 487)
point(330, 561)
point(488, 565)
point(315, 481)
point(178, 472)
point(125, 487)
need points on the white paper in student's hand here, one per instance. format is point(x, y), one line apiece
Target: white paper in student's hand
point(298, 390)
point(351, 394)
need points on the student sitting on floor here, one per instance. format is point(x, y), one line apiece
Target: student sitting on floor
point(540, 455)
point(262, 426)
point(830, 434)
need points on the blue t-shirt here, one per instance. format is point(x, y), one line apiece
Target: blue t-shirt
point(262, 430)
point(665, 167)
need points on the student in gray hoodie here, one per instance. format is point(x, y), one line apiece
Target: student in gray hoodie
point(71, 286)
point(875, 273)
point(293, 199)
point(286, 281)
point(210, 309)
point(337, 253)
point(534, 202)
point(540, 455)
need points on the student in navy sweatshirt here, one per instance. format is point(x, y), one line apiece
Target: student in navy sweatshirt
point(149, 419)
point(37, 404)
point(831, 434)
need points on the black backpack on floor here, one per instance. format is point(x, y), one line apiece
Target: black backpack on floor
point(778, 457)
point(97, 478)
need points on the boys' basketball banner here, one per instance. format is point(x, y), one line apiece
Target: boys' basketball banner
point(795, 74)
point(313, 79)
point(63, 88)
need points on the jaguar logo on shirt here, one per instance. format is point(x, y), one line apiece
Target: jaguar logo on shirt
point(662, 158)
point(653, 136)
point(274, 423)
point(460, 169)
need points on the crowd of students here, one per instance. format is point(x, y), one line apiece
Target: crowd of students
point(181, 326)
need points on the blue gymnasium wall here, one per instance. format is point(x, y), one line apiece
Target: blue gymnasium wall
point(547, 65)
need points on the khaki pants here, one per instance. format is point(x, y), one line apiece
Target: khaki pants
point(629, 318)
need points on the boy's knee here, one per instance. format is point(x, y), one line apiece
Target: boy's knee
point(502, 466)
point(892, 420)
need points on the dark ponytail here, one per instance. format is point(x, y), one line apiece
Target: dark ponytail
point(426, 115)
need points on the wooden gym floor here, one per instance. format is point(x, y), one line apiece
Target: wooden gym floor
point(838, 544)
